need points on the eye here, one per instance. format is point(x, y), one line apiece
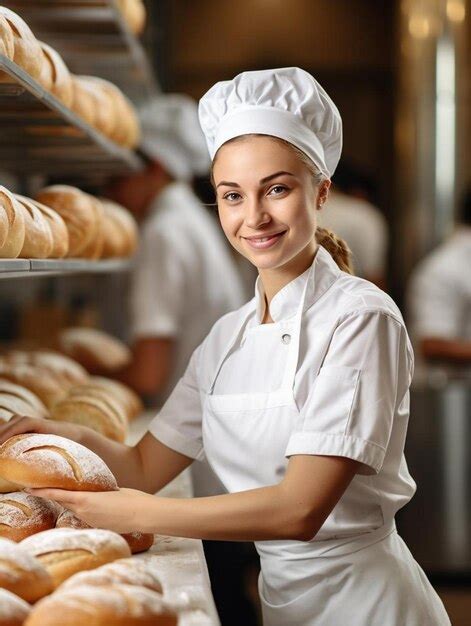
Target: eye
point(232, 196)
point(278, 190)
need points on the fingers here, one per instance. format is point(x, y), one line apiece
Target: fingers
point(69, 499)
point(20, 424)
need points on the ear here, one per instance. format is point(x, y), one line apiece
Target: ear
point(322, 193)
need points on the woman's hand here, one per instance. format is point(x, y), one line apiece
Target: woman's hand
point(124, 511)
point(20, 424)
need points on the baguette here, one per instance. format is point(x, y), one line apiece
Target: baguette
point(27, 52)
point(65, 551)
point(61, 80)
point(59, 232)
point(42, 461)
point(38, 242)
point(7, 42)
point(22, 515)
point(13, 610)
point(13, 238)
point(21, 573)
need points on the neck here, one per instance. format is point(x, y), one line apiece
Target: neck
point(273, 280)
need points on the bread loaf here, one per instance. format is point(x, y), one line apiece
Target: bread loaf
point(45, 77)
point(65, 370)
point(14, 236)
point(13, 610)
point(27, 53)
point(94, 349)
point(7, 42)
point(122, 234)
point(21, 573)
point(41, 461)
point(137, 542)
point(78, 212)
point(142, 572)
point(127, 398)
point(65, 551)
point(59, 232)
point(47, 387)
point(83, 103)
point(15, 399)
point(22, 515)
point(38, 241)
point(105, 119)
point(61, 80)
point(113, 605)
point(94, 249)
point(100, 414)
point(134, 13)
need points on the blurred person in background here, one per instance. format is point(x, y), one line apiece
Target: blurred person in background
point(184, 280)
point(349, 212)
point(439, 298)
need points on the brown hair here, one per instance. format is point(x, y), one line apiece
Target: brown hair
point(335, 246)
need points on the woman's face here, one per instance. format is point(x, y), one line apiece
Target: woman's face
point(267, 201)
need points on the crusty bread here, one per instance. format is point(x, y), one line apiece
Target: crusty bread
point(66, 519)
point(16, 399)
point(27, 52)
point(113, 605)
point(100, 414)
point(143, 572)
point(122, 238)
point(60, 234)
point(78, 212)
point(105, 120)
point(134, 14)
point(127, 398)
point(61, 80)
point(83, 103)
point(7, 42)
point(48, 387)
point(94, 349)
point(66, 551)
point(15, 235)
point(63, 369)
point(94, 249)
point(13, 610)
point(41, 461)
point(45, 78)
point(38, 242)
point(21, 573)
point(22, 515)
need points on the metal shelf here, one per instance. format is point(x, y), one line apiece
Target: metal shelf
point(33, 268)
point(42, 136)
point(93, 38)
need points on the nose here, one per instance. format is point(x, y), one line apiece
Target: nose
point(256, 214)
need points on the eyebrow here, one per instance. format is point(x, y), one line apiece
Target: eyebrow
point(262, 181)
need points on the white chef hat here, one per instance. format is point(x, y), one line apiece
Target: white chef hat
point(171, 135)
point(287, 103)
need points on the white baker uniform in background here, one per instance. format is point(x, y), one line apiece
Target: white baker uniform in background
point(364, 229)
point(330, 376)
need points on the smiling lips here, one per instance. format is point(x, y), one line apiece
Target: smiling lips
point(262, 243)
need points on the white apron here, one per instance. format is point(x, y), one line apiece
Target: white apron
point(367, 580)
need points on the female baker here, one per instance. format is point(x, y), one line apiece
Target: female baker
point(299, 400)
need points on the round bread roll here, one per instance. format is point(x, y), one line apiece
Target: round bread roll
point(21, 573)
point(66, 551)
point(22, 515)
point(61, 81)
point(38, 242)
point(101, 414)
point(127, 398)
point(137, 542)
point(123, 240)
point(113, 605)
point(13, 610)
point(13, 234)
point(134, 14)
point(83, 103)
point(94, 349)
point(140, 572)
point(7, 42)
point(27, 53)
point(17, 400)
point(48, 389)
point(42, 461)
point(78, 212)
point(59, 232)
point(94, 249)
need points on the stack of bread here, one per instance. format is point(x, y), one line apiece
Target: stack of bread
point(64, 221)
point(134, 14)
point(55, 548)
point(100, 103)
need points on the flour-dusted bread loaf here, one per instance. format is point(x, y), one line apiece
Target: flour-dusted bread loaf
point(59, 232)
point(21, 573)
point(66, 551)
point(18, 400)
point(61, 80)
point(13, 236)
point(127, 398)
point(99, 413)
point(143, 572)
point(113, 605)
point(94, 249)
point(38, 242)
point(94, 349)
point(7, 42)
point(137, 541)
point(41, 461)
point(122, 233)
point(27, 51)
point(78, 212)
point(45, 385)
point(134, 14)
point(13, 610)
point(22, 515)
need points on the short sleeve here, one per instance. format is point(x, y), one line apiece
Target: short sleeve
point(158, 287)
point(178, 424)
point(351, 406)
